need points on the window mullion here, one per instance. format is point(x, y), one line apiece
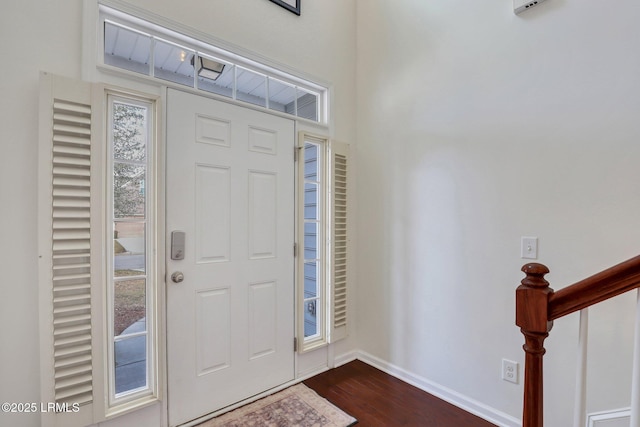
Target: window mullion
point(152, 57)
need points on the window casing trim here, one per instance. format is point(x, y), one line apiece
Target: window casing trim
point(320, 338)
point(136, 399)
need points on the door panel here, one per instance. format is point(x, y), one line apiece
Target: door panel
point(230, 188)
point(213, 213)
point(263, 209)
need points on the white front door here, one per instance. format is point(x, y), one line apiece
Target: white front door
point(230, 189)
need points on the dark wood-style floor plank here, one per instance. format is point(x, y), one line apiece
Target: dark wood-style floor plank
point(377, 399)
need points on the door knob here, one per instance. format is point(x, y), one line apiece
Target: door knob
point(177, 276)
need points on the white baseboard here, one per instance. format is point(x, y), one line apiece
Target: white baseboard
point(463, 402)
point(343, 359)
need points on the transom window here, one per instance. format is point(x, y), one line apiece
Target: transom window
point(140, 47)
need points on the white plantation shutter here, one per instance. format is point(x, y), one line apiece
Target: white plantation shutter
point(66, 254)
point(339, 240)
point(71, 256)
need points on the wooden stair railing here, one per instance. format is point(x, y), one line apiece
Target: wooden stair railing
point(537, 306)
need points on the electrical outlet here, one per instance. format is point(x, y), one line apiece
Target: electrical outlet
point(510, 371)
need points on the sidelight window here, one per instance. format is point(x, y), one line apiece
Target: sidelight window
point(323, 241)
point(97, 239)
point(130, 221)
point(313, 254)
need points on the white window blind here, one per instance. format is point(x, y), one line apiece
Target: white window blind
point(71, 257)
point(339, 241)
point(67, 257)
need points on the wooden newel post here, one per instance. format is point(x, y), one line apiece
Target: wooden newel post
point(532, 305)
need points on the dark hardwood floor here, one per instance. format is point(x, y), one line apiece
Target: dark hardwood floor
point(375, 399)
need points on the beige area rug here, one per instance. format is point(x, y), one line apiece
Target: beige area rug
point(297, 406)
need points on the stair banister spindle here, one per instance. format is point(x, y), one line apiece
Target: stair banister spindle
point(635, 379)
point(580, 405)
point(532, 306)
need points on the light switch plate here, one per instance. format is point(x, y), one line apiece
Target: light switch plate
point(529, 248)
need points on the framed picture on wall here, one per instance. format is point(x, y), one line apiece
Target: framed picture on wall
point(290, 5)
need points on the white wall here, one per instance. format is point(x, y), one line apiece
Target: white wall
point(476, 127)
point(46, 35)
point(30, 40)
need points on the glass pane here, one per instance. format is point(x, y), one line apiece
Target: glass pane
point(251, 87)
point(310, 318)
point(129, 306)
point(311, 162)
point(127, 49)
point(129, 249)
point(310, 240)
point(282, 96)
point(310, 201)
point(131, 363)
point(307, 105)
point(173, 63)
point(128, 191)
point(310, 279)
point(129, 132)
point(221, 84)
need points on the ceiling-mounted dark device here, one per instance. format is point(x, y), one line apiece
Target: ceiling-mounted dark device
point(520, 6)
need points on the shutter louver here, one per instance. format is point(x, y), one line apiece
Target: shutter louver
point(71, 256)
point(339, 244)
